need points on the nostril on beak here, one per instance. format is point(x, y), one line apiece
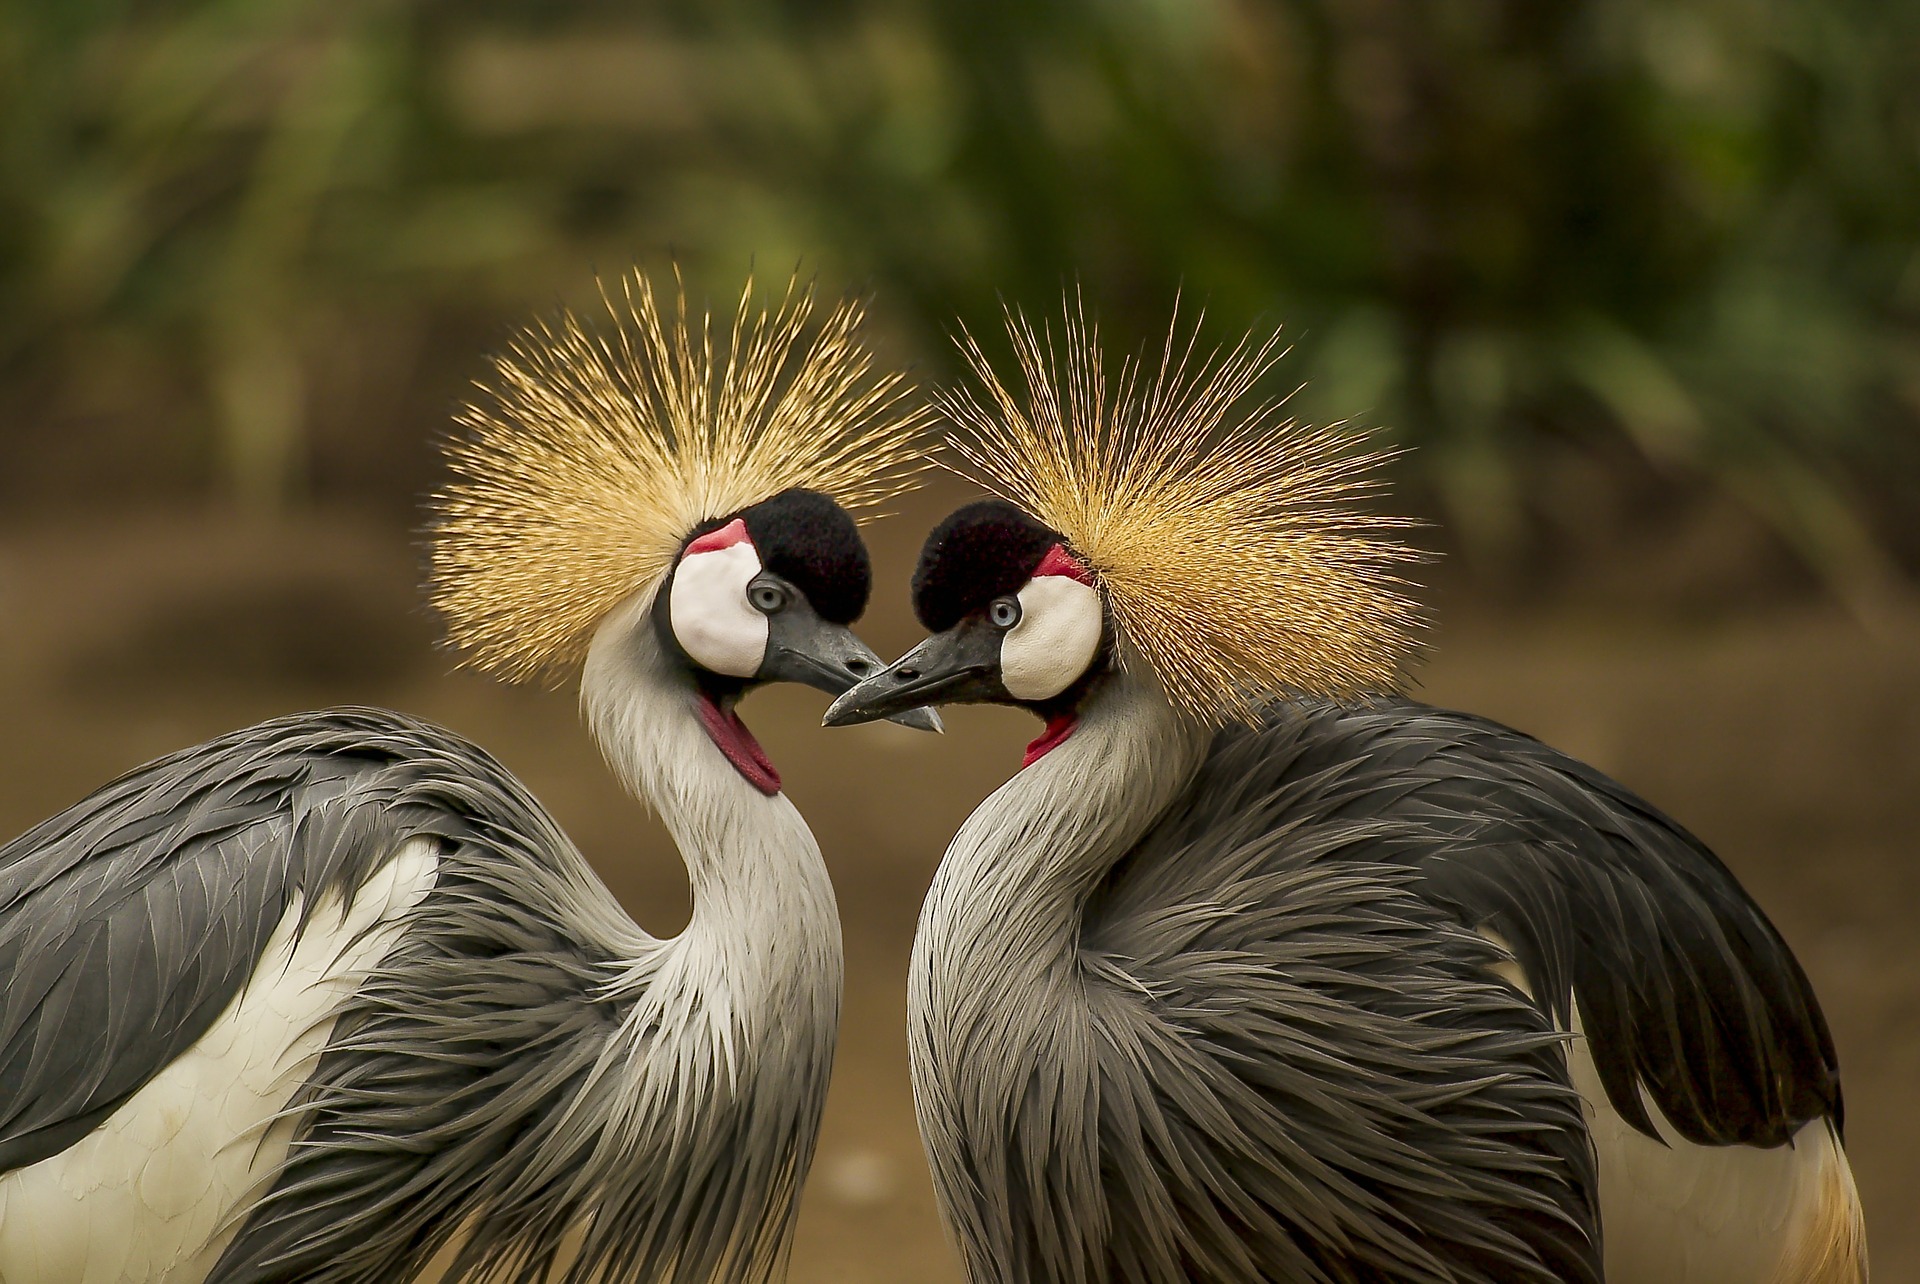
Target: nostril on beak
point(906, 675)
point(859, 665)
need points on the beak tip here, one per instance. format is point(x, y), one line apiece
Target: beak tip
point(921, 718)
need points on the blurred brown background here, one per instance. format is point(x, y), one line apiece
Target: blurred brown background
point(1638, 283)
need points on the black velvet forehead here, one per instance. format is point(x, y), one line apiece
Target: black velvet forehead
point(810, 542)
point(983, 551)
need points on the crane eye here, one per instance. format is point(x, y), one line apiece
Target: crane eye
point(768, 599)
point(1004, 612)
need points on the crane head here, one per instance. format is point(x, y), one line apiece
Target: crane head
point(600, 451)
point(768, 595)
point(1159, 516)
point(1017, 618)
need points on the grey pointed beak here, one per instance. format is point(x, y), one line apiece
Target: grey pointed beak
point(959, 666)
point(803, 648)
point(921, 718)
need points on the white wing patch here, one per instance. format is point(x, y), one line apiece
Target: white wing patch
point(1681, 1213)
point(711, 616)
point(1055, 640)
point(156, 1191)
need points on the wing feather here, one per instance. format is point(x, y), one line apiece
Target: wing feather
point(130, 921)
point(1684, 985)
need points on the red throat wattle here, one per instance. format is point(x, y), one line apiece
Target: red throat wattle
point(1059, 727)
point(726, 730)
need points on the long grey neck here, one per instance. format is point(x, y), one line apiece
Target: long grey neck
point(1016, 877)
point(997, 993)
point(763, 944)
point(695, 1124)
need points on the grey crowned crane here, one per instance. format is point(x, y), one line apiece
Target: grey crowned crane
point(321, 998)
point(1258, 971)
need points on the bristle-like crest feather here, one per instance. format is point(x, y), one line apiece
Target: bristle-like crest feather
point(1223, 535)
point(595, 451)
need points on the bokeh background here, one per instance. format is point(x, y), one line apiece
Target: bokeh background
point(1637, 282)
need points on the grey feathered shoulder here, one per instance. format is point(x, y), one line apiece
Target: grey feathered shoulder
point(131, 920)
point(1311, 1071)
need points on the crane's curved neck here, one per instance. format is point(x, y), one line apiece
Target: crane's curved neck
point(1023, 864)
point(688, 1138)
point(764, 937)
point(997, 993)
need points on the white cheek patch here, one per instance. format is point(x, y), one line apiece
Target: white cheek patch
point(710, 614)
point(1055, 640)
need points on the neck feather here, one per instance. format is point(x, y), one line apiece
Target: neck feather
point(761, 894)
point(996, 977)
point(1021, 867)
point(749, 993)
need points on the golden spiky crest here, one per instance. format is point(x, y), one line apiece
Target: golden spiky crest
point(595, 452)
point(1223, 533)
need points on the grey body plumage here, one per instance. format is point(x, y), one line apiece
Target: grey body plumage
point(1248, 1048)
point(1267, 1038)
point(470, 1083)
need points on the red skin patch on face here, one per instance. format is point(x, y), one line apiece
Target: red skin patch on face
point(1059, 727)
point(1059, 561)
point(734, 532)
point(733, 739)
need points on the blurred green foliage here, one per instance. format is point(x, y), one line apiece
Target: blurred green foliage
point(248, 247)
